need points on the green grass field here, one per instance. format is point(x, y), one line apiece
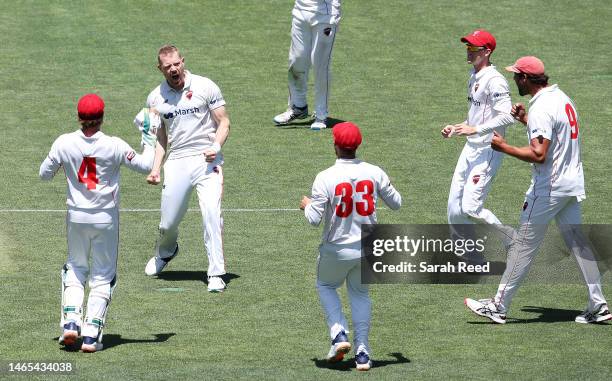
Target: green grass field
point(399, 72)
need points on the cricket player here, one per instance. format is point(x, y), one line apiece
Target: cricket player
point(194, 127)
point(313, 32)
point(557, 188)
point(91, 162)
point(345, 197)
point(489, 111)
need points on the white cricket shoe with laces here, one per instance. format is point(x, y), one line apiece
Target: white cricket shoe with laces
point(486, 308)
point(215, 284)
point(597, 316)
point(290, 115)
point(157, 264)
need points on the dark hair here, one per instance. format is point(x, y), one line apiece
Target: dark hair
point(90, 123)
point(541, 79)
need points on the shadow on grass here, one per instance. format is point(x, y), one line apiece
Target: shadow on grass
point(546, 315)
point(193, 275)
point(112, 340)
point(305, 123)
point(349, 363)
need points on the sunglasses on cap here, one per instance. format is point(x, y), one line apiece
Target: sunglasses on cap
point(472, 48)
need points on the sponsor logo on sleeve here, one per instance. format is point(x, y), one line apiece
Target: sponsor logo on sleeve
point(475, 179)
point(130, 155)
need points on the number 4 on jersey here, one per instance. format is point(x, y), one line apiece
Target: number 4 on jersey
point(87, 172)
point(345, 190)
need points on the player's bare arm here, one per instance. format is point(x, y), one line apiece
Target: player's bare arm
point(519, 113)
point(304, 202)
point(223, 126)
point(534, 153)
point(154, 177)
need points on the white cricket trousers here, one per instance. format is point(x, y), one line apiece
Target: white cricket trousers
point(476, 168)
point(312, 41)
point(97, 243)
point(181, 176)
point(332, 271)
point(538, 212)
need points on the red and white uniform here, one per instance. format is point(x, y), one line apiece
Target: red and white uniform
point(313, 32)
point(489, 110)
point(557, 188)
point(344, 196)
point(191, 129)
point(91, 165)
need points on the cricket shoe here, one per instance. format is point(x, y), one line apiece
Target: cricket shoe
point(157, 263)
point(319, 124)
point(91, 344)
point(70, 335)
point(290, 115)
point(339, 347)
point(597, 316)
point(486, 308)
point(362, 359)
point(215, 284)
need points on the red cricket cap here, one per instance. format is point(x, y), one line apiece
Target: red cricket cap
point(527, 65)
point(90, 107)
point(480, 37)
point(347, 135)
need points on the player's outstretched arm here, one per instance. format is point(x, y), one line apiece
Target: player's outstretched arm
point(142, 162)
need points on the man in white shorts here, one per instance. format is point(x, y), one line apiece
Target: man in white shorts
point(557, 188)
point(91, 162)
point(313, 32)
point(345, 197)
point(489, 101)
point(194, 127)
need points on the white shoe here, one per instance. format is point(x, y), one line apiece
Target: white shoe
point(486, 308)
point(597, 316)
point(362, 359)
point(290, 115)
point(215, 284)
point(339, 347)
point(319, 124)
point(157, 264)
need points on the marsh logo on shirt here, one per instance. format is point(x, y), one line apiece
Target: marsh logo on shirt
point(474, 101)
point(181, 111)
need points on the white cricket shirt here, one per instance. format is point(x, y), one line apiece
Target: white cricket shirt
point(345, 196)
point(325, 7)
point(553, 116)
point(186, 115)
point(489, 104)
point(91, 165)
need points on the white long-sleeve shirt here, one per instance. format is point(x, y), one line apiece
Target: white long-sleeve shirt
point(91, 165)
point(345, 197)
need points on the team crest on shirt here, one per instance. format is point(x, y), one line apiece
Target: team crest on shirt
point(130, 155)
point(476, 179)
point(189, 94)
point(476, 86)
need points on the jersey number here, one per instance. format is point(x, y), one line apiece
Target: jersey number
point(573, 122)
point(87, 172)
point(345, 190)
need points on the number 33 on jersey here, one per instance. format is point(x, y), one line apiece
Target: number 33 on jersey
point(345, 196)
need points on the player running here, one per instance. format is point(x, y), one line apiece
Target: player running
point(557, 188)
point(489, 110)
point(345, 197)
point(91, 162)
point(194, 127)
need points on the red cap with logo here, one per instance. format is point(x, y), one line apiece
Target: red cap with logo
point(347, 135)
point(527, 65)
point(480, 37)
point(90, 107)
